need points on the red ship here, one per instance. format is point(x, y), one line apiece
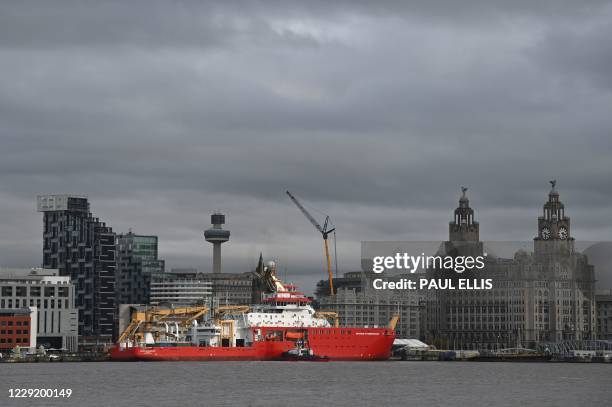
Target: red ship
point(283, 327)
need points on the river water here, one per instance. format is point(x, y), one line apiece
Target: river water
point(419, 384)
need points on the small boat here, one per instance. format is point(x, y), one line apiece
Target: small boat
point(303, 354)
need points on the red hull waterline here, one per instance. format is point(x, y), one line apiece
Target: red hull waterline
point(339, 344)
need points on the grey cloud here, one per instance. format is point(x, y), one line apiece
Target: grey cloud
point(375, 114)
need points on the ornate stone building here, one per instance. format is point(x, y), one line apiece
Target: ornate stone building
point(544, 296)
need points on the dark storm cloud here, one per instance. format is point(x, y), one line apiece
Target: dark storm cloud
point(373, 112)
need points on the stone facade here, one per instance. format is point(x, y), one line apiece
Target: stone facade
point(369, 307)
point(544, 296)
point(603, 299)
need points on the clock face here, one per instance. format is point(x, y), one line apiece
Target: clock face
point(562, 233)
point(545, 233)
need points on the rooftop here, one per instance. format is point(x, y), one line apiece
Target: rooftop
point(32, 274)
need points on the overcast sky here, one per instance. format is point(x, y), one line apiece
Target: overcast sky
point(162, 112)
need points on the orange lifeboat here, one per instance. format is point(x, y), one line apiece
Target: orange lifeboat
point(294, 335)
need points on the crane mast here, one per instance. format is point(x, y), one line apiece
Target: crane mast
point(324, 232)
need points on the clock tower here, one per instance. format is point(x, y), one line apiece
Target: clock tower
point(553, 227)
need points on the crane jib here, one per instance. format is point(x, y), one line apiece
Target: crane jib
point(323, 231)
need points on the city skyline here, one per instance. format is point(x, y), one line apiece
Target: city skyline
point(205, 263)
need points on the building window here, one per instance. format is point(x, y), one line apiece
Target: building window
point(21, 291)
point(34, 291)
point(49, 291)
point(7, 291)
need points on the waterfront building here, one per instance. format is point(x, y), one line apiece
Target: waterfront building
point(352, 281)
point(17, 329)
point(375, 309)
point(82, 247)
point(223, 288)
point(180, 289)
point(362, 305)
point(137, 265)
point(543, 296)
point(234, 288)
point(603, 299)
point(52, 300)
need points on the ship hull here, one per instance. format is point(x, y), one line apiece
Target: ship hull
point(350, 344)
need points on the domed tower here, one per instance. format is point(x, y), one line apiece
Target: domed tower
point(553, 226)
point(463, 227)
point(217, 235)
point(463, 231)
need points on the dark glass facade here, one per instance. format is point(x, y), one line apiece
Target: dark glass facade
point(137, 265)
point(79, 245)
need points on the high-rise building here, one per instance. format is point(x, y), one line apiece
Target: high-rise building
point(82, 247)
point(137, 265)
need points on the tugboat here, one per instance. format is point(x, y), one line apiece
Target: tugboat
point(299, 354)
point(302, 352)
point(283, 327)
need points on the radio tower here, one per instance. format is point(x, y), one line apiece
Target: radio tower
point(217, 235)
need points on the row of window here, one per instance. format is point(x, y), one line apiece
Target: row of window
point(17, 340)
point(329, 332)
point(16, 332)
point(53, 304)
point(35, 291)
point(17, 323)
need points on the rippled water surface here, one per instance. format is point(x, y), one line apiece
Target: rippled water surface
point(421, 384)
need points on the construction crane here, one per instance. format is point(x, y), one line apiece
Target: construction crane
point(324, 232)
